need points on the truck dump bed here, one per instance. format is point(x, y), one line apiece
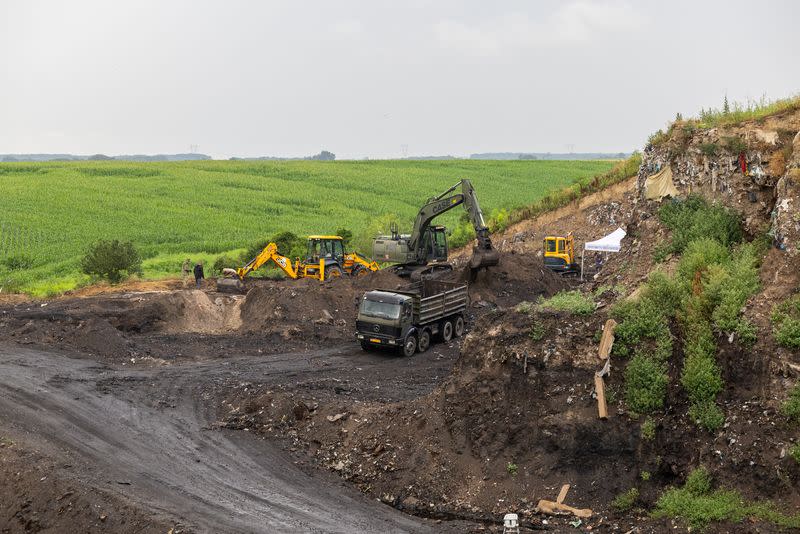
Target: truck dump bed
point(435, 299)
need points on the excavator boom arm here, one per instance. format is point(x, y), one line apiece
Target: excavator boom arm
point(484, 255)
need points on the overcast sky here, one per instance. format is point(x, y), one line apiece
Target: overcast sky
point(363, 79)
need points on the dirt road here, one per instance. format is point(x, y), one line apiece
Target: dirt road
point(149, 435)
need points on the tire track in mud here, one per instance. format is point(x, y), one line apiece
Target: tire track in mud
point(119, 437)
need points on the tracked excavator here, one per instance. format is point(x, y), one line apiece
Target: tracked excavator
point(424, 251)
point(325, 259)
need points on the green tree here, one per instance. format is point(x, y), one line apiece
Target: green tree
point(113, 260)
point(346, 235)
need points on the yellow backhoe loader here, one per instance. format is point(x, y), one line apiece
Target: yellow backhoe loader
point(325, 258)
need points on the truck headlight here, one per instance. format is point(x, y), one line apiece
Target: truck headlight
point(360, 336)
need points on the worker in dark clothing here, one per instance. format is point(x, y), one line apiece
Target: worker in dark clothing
point(198, 274)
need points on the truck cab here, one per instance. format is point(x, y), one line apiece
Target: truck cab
point(384, 318)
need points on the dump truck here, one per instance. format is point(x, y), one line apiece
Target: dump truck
point(409, 318)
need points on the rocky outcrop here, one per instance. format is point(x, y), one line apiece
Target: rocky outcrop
point(753, 167)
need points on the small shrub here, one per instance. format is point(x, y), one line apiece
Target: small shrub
point(112, 260)
point(664, 292)
point(698, 482)
point(791, 407)
point(734, 145)
point(524, 307)
point(537, 332)
point(699, 255)
point(645, 475)
point(709, 149)
point(707, 415)
point(694, 218)
point(701, 378)
point(648, 430)
point(645, 384)
point(658, 138)
point(786, 322)
point(733, 288)
point(747, 333)
point(599, 291)
point(625, 501)
point(569, 301)
point(512, 469)
point(794, 452)
point(639, 321)
point(18, 262)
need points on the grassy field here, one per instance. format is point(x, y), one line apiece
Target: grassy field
point(51, 212)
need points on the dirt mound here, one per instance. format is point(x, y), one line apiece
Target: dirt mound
point(383, 279)
point(518, 277)
point(97, 336)
point(302, 308)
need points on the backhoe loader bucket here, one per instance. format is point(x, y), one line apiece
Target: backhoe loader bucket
point(486, 257)
point(230, 285)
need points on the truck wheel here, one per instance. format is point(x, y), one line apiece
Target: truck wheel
point(366, 347)
point(459, 328)
point(447, 331)
point(410, 346)
point(424, 341)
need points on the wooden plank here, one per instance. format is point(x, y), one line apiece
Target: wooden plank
point(562, 494)
point(607, 340)
point(554, 508)
point(600, 389)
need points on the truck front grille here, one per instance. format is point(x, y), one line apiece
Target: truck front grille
point(372, 328)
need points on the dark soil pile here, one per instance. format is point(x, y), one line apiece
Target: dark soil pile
point(517, 278)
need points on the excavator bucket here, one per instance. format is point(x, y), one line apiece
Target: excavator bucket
point(483, 257)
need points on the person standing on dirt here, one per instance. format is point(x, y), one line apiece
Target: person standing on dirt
point(198, 274)
point(186, 270)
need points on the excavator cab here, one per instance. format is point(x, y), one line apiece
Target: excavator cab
point(559, 254)
point(434, 242)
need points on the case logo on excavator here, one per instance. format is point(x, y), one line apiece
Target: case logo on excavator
point(443, 205)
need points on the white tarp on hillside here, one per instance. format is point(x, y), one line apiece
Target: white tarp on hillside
point(609, 243)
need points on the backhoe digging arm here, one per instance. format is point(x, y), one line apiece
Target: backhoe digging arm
point(270, 253)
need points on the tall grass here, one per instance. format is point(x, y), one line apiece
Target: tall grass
point(750, 110)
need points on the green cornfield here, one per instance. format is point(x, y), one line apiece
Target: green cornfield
point(51, 212)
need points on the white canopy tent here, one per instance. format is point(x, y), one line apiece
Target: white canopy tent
point(609, 243)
